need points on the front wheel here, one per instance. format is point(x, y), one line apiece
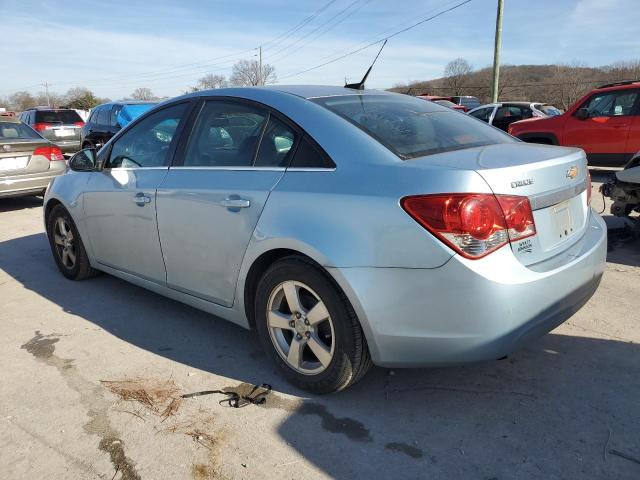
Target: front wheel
point(66, 245)
point(308, 327)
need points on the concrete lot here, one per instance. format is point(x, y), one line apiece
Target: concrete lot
point(553, 410)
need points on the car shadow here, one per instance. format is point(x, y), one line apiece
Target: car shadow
point(546, 412)
point(19, 203)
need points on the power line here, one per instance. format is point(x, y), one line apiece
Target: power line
point(328, 22)
point(282, 37)
point(348, 54)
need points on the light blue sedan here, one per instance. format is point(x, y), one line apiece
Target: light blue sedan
point(347, 227)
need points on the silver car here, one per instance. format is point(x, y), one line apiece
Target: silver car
point(347, 227)
point(28, 161)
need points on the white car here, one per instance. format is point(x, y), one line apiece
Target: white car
point(501, 115)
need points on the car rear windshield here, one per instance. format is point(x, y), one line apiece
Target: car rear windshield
point(16, 131)
point(65, 117)
point(469, 102)
point(410, 127)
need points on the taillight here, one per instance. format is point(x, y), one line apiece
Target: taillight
point(588, 188)
point(78, 124)
point(473, 224)
point(41, 126)
point(52, 153)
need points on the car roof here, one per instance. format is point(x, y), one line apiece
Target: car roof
point(303, 91)
point(619, 85)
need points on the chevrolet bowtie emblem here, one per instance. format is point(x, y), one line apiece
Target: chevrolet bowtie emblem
point(572, 172)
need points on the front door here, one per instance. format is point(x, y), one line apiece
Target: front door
point(120, 200)
point(603, 135)
point(211, 199)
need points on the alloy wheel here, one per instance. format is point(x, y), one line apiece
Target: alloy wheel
point(65, 243)
point(300, 327)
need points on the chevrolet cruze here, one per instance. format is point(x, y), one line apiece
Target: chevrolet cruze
point(347, 227)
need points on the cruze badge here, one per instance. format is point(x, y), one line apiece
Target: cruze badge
point(522, 183)
point(572, 172)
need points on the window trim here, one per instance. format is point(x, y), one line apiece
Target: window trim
point(178, 157)
point(174, 141)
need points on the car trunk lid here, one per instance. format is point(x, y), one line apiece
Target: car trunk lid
point(553, 178)
point(16, 157)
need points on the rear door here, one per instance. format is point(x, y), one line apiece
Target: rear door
point(603, 136)
point(120, 200)
point(211, 199)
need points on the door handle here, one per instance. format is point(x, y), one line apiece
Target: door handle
point(235, 202)
point(141, 199)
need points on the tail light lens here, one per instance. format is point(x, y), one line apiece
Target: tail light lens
point(41, 126)
point(78, 124)
point(588, 188)
point(473, 224)
point(52, 153)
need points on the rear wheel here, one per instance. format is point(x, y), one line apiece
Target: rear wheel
point(308, 327)
point(66, 245)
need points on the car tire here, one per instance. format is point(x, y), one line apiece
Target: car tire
point(298, 306)
point(66, 245)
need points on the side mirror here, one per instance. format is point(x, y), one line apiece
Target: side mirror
point(84, 160)
point(582, 114)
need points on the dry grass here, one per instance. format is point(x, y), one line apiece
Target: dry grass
point(160, 397)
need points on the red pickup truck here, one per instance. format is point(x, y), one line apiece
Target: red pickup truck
point(605, 123)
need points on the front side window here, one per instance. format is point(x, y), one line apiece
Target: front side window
point(148, 143)
point(410, 127)
point(226, 134)
point(612, 104)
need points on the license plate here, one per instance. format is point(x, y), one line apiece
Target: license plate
point(63, 133)
point(564, 221)
point(13, 163)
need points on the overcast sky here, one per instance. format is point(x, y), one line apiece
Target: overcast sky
point(114, 46)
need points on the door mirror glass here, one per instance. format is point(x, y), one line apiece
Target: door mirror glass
point(582, 114)
point(84, 160)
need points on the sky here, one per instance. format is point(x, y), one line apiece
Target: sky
point(113, 47)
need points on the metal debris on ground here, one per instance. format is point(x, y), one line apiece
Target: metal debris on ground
point(257, 396)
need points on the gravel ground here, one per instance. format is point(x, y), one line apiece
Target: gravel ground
point(564, 407)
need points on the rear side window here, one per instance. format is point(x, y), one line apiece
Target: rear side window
point(103, 116)
point(411, 127)
point(64, 117)
point(308, 155)
point(226, 134)
point(276, 145)
point(16, 131)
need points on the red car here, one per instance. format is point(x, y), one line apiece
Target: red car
point(605, 123)
point(444, 101)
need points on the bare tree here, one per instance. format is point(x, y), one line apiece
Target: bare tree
point(456, 74)
point(20, 101)
point(568, 84)
point(144, 94)
point(247, 73)
point(210, 81)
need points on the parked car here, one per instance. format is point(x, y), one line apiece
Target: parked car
point(467, 101)
point(28, 161)
point(348, 227)
point(503, 114)
point(107, 119)
point(61, 126)
point(605, 123)
point(444, 101)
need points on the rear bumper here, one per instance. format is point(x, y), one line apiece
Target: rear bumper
point(67, 146)
point(472, 310)
point(32, 183)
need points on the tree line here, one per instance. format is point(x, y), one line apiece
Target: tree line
point(243, 73)
point(561, 85)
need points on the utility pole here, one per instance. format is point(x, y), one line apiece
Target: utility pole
point(260, 79)
point(496, 53)
point(46, 90)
